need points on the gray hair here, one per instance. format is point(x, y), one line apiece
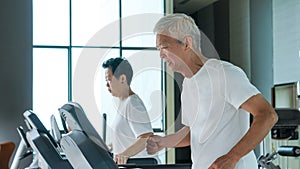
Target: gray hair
point(179, 26)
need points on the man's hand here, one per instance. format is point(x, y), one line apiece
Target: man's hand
point(154, 144)
point(223, 162)
point(121, 159)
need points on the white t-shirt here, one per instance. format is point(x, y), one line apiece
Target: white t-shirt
point(210, 107)
point(131, 121)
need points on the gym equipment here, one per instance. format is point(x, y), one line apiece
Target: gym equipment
point(266, 161)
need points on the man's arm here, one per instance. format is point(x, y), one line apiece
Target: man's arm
point(264, 119)
point(179, 139)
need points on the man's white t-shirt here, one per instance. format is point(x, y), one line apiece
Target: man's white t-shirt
point(211, 102)
point(131, 121)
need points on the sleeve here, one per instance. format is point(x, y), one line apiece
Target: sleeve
point(238, 88)
point(138, 118)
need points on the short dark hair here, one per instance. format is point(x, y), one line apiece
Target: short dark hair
point(118, 67)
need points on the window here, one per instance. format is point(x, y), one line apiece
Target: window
point(70, 41)
point(50, 81)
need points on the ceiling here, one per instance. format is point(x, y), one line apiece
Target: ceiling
point(191, 6)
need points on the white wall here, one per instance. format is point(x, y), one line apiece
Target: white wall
point(286, 31)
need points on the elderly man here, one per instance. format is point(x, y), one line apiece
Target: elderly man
point(217, 98)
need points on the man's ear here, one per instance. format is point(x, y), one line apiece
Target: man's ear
point(123, 78)
point(188, 41)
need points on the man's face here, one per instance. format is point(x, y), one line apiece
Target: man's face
point(171, 50)
point(112, 83)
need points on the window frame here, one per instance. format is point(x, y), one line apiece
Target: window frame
point(121, 48)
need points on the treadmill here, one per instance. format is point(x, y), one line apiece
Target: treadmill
point(48, 151)
point(85, 149)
